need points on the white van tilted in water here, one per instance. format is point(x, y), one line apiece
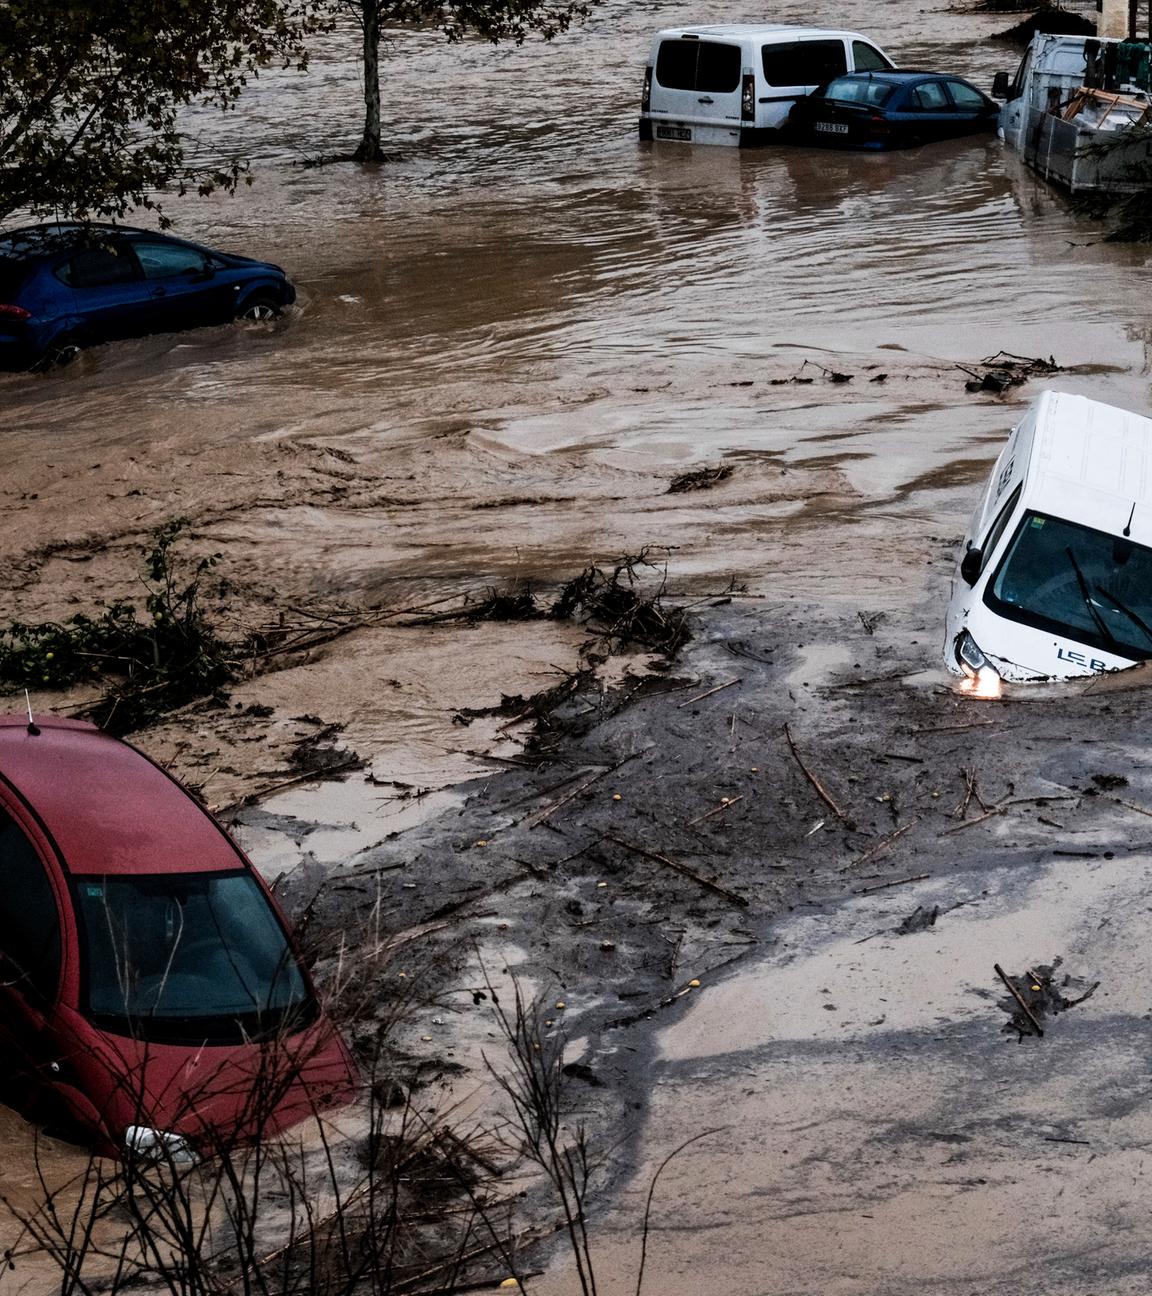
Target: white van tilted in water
point(1056, 577)
point(734, 84)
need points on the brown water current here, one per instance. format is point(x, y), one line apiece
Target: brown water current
point(508, 340)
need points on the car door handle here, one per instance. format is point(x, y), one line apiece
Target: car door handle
point(706, 101)
point(159, 292)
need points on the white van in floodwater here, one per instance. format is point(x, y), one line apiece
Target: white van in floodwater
point(734, 84)
point(1056, 577)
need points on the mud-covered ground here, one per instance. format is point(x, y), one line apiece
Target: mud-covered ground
point(676, 850)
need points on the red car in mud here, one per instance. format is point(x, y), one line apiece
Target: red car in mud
point(150, 991)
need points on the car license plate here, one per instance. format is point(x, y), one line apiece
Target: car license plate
point(832, 128)
point(673, 132)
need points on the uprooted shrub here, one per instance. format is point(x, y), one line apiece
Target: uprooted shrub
point(155, 658)
point(611, 602)
point(613, 605)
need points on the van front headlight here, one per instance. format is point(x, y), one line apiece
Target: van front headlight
point(984, 678)
point(969, 655)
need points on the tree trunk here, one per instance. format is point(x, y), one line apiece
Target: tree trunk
point(370, 150)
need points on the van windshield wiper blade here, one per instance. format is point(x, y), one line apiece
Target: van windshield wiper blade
point(1134, 617)
point(1086, 594)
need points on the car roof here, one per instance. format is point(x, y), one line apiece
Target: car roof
point(1091, 463)
point(106, 806)
point(754, 30)
point(60, 236)
point(898, 76)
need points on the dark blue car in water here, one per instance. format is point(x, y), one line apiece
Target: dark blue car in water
point(878, 110)
point(64, 287)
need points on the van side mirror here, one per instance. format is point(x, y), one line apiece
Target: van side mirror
point(1000, 85)
point(971, 565)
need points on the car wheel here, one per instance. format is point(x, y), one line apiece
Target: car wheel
point(58, 355)
point(260, 309)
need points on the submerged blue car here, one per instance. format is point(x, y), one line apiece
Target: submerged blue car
point(64, 287)
point(878, 110)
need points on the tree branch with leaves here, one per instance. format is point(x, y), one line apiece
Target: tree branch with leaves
point(91, 94)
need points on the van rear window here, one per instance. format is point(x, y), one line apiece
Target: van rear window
point(804, 63)
point(707, 66)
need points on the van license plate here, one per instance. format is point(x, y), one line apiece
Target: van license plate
point(832, 128)
point(673, 132)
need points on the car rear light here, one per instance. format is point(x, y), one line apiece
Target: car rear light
point(748, 98)
point(15, 312)
point(646, 97)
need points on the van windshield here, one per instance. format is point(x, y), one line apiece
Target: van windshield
point(1072, 580)
point(186, 956)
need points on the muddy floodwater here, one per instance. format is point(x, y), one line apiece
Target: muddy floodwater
point(508, 341)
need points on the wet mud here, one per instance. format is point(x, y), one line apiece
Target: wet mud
point(528, 345)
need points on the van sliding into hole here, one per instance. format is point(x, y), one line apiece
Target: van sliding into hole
point(1055, 580)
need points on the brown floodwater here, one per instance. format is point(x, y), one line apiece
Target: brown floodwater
point(511, 337)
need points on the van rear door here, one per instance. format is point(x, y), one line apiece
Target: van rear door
point(696, 89)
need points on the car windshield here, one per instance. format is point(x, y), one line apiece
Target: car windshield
point(186, 956)
point(859, 90)
point(1072, 580)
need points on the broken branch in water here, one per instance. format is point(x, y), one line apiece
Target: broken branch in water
point(706, 883)
point(822, 791)
point(317, 775)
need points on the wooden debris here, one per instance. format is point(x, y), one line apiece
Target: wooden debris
point(882, 886)
point(541, 816)
point(699, 879)
point(971, 823)
point(727, 804)
point(879, 846)
point(952, 728)
point(821, 790)
point(709, 692)
point(1020, 1000)
point(318, 775)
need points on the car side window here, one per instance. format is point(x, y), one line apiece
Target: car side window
point(996, 530)
point(166, 260)
point(930, 97)
point(813, 62)
point(96, 267)
point(867, 58)
point(965, 97)
point(29, 920)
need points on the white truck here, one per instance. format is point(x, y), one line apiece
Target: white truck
point(1056, 576)
point(1080, 156)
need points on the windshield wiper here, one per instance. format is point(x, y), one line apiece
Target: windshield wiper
point(1134, 617)
point(1086, 594)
